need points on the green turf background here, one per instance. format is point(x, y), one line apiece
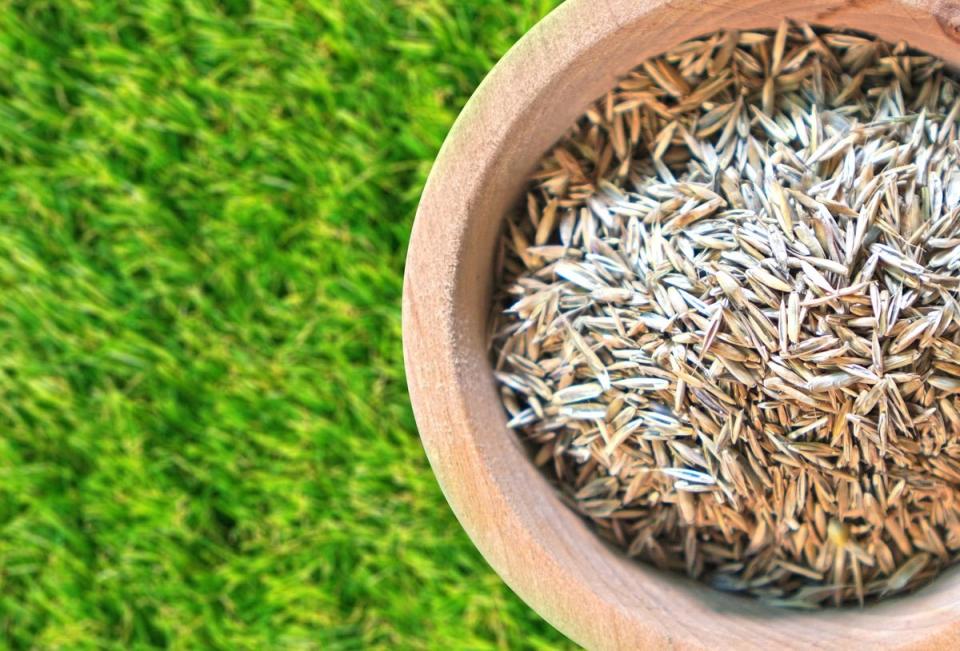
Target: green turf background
point(205, 437)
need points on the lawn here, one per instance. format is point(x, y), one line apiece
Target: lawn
point(206, 438)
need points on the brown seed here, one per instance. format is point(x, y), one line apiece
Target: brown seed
point(726, 314)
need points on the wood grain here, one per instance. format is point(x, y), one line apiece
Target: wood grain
point(541, 549)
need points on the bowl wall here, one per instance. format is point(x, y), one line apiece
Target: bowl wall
point(543, 550)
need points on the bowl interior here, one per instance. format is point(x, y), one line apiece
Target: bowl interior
point(544, 551)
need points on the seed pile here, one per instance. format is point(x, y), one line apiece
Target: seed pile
point(728, 317)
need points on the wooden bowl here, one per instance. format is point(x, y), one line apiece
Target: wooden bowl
point(542, 549)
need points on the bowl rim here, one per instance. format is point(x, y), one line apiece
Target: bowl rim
point(540, 548)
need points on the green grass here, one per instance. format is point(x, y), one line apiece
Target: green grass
point(205, 437)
